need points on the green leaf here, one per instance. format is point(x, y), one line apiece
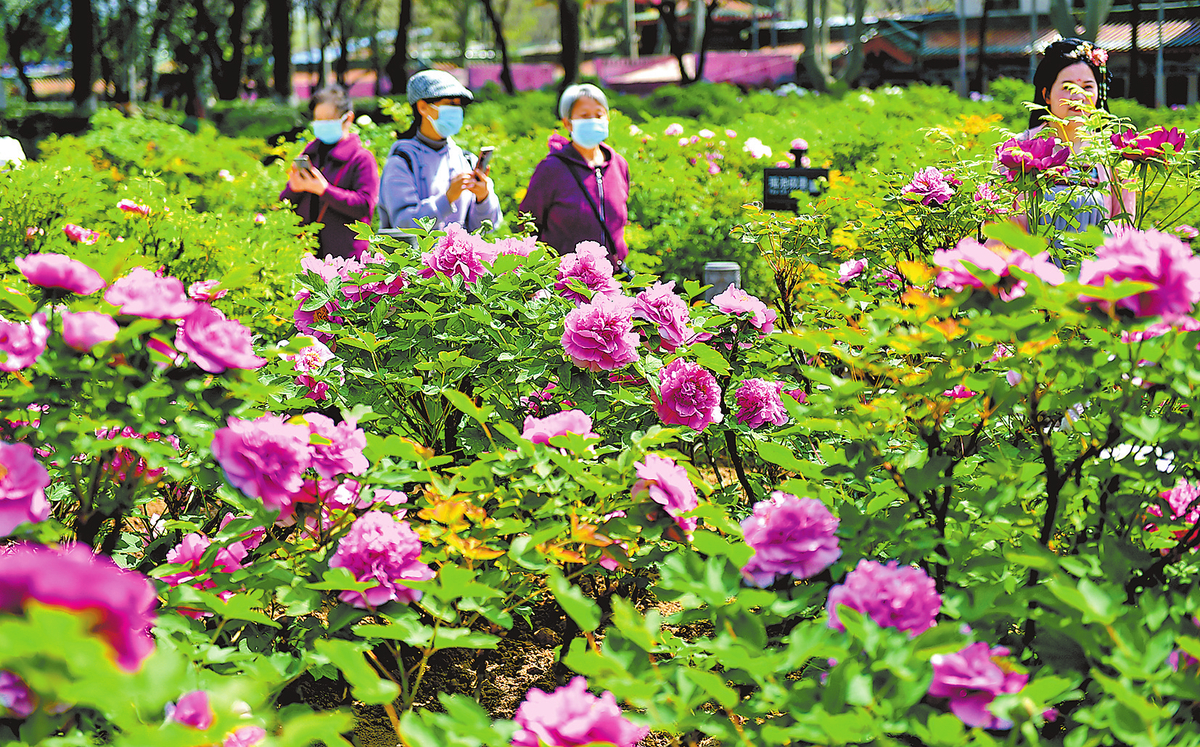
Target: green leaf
point(714, 685)
point(780, 455)
point(711, 543)
point(582, 610)
point(464, 404)
point(709, 358)
point(365, 682)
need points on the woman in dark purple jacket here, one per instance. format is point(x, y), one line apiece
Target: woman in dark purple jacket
point(580, 192)
point(342, 187)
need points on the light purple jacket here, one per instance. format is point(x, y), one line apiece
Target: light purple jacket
point(562, 211)
point(414, 183)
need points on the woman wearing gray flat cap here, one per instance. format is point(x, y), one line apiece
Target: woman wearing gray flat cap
point(426, 174)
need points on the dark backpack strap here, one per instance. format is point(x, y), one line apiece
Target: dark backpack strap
point(609, 245)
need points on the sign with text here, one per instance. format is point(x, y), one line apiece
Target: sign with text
point(780, 184)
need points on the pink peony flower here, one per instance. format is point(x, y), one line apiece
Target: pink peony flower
point(190, 552)
point(1186, 232)
point(1031, 157)
point(799, 144)
point(1141, 146)
point(713, 169)
point(124, 457)
point(357, 290)
point(673, 130)
point(894, 596)
point(23, 343)
point(1151, 257)
point(668, 485)
point(130, 206)
point(599, 336)
point(541, 430)
point(381, 549)
point(344, 452)
point(23, 482)
point(1013, 377)
point(60, 271)
point(659, 305)
point(142, 293)
point(730, 133)
point(993, 203)
point(929, 187)
point(756, 148)
point(589, 265)
point(118, 603)
point(956, 274)
point(264, 458)
point(797, 394)
point(790, 535)
point(759, 403)
point(1184, 502)
point(458, 253)
point(734, 300)
point(573, 717)
point(330, 270)
point(308, 360)
point(259, 218)
point(851, 269)
point(687, 395)
point(959, 392)
point(87, 329)
point(1180, 659)
point(971, 679)
point(15, 698)
point(206, 290)
point(245, 736)
point(215, 343)
point(79, 234)
point(192, 710)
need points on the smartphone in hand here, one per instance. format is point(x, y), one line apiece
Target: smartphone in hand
point(302, 163)
point(485, 159)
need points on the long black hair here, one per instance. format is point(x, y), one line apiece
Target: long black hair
point(1062, 54)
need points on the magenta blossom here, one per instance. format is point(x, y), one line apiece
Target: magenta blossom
point(573, 717)
point(851, 269)
point(541, 430)
point(206, 290)
point(458, 253)
point(192, 710)
point(894, 596)
point(1180, 659)
point(687, 395)
point(759, 403)
point(129, 206)
point(60, 271)
point(790, 536)
point(189, 554)
point(971, 679)
point(381, 549)
point(245, 736)
point(659, 305)
point(23, 482)
point(1141, 146)
point(992, 202)
point(23, 343)
point(117, 603)
point(1161, 260)
point(599, 336)
point(1184, 502)
point(1186, 232)
point(344, 452)
point(959, 392)
point(215, 343)
point(264, 458)
point(15, 697)
point(87, 329)
point(309, 360)
point(929, 187)
point(331, 270)
point(142, 293)
point(1032, 156)
point(734, 300)
point(358, 290)
point(668, 485)
point(588, 265)
point(79, 234)
point(960, 264)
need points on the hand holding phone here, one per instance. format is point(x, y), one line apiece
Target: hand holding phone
point(485, 159)
point(302, 163)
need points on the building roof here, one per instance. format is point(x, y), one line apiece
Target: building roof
point(1115, 37)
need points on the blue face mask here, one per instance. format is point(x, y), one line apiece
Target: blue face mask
point(449, 120)
point(328, 131)
point(589, 132)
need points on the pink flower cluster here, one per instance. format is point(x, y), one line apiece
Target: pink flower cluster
point(851, 269)
point(125, 458)
point(599, 336)
point(759, 403)
point(458, 253)
point(309, 360)
point(1184, 502)
point(541, 430)
point(206, 290)
point(1143, 146)
point(146, 294)
point(23, 482)
point(87, 329)
point(659, 305)
point(22, 343)
point(215, 343)
point(687, 395)
point(358, 290)
point(573, 717)
point(894, 596)
point(790, 536)
point(15, 697)
point(734, 300)
point(1161, 260)
point(929, 186)
point(60, 271)
point(971, 679)
point(129, 206)
point(119, 603)
point(667, 484)
point(588, 265)
point(1032, 156)
point(189, 554)
point(380, 548)
point(956, 274)
point(79, 234)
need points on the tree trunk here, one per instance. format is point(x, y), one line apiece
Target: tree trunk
point(677, 43)
point(710, 9)
point(280, 12)
point(981, 55)
point(506, 78)
point(83, 53)
point(568, 29)
point(464, 23)
point(397, 66)
point(16, 36)
point(813, 57)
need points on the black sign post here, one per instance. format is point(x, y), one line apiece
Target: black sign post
point(779, 184)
